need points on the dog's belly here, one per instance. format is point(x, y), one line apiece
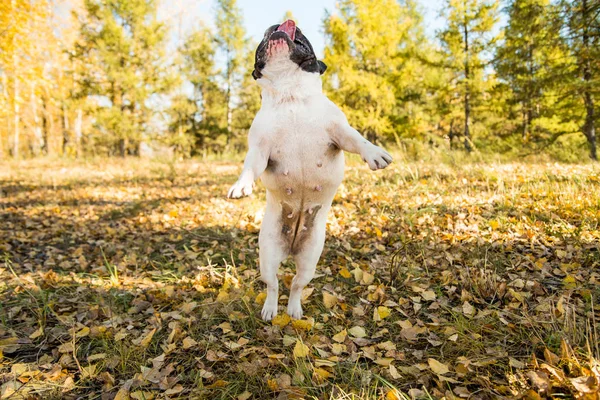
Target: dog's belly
point(301, 172)
point(301, 182)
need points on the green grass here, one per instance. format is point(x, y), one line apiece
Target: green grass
point(492, 268)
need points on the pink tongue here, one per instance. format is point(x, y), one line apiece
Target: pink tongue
point(288, 27)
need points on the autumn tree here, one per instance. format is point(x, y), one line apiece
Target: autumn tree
point(122, 49)
point(26, 43)
point(468, 35)
point(366, 44)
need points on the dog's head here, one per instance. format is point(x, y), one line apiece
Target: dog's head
point(286, 42)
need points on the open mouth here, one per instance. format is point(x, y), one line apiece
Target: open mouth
point(289, 27)
point(282, 38)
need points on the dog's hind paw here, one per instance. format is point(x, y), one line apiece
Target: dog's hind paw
point(295, 311)
point(268, 312)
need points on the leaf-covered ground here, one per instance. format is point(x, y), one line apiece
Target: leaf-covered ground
point(139, 280)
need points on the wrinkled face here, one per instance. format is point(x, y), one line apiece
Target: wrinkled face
point(286, 40)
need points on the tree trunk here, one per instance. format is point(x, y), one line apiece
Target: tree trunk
point(229, 108)
point(123, 145)
point(17, 119)
point(5, 96)
point(78, 131)
point(588, 128)
point(65, 123)
point(468, 146)
point(39, 146)
point(16, 98)
point(45, 126)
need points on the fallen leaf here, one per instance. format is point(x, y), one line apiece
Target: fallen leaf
point(437, 367)
point(329, 300)
point(281, 320)
point(357, 331)
point(300, 350)
point(468, 309)
point(340, 337)
point(188, 343)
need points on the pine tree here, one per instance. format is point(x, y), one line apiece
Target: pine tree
point(122, 54)
point(466, 38)
point(582, 27)
point(530, 62)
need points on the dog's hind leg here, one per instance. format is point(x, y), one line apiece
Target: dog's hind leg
point(272, 251)
point(306, 256)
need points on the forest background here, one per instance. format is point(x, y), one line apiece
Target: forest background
point(106, 78)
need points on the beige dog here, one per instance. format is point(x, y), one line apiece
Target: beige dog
point(295, 147)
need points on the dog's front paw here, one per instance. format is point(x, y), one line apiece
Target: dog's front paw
point(376, 157)
point(294, 310)
point(243, 187)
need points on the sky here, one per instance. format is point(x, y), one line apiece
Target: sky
point(260, 14)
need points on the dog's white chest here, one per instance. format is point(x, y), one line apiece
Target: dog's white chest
point(303, 161)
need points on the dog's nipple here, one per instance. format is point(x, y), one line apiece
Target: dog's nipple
point(288, 190)
point(290, 215)
point(319, 164)
point(286, 172)
point(304, 228)
point(318, 188)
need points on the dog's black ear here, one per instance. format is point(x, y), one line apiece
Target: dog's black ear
point(322, 67)
point(256, 75)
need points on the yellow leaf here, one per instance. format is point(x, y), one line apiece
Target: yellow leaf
point(260, 298)
point(321, 374)
point(437, 367)
point(378, 232)
point(340, 337)
point(367, 278)
point(223, 296)
point(83, 332)
point(428, 295)
point(272, 384)
point(329, 300)
point(300, 350)
point(141, 395)
point(494, 224)
point(381, 312)
point(148, 338)
point(345, 273)
point(302, 325)
point(569, 282)
point(384, 361)
point(338, 348)
point(38, 332)
point(188, 343)
point(218, 384)
point(281, 320)
point(358, 332)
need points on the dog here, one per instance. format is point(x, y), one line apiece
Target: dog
point(296, 146)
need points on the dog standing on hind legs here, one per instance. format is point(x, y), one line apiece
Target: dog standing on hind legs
point(295, 145)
